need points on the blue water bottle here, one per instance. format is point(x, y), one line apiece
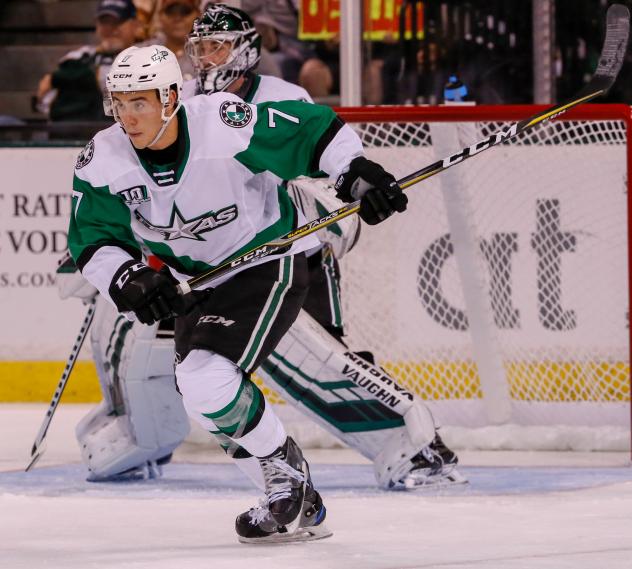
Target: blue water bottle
point(455, 91)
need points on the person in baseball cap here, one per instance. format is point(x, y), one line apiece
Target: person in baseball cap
point(116, 25)
point(74, 90)
point(120, 9)
point(175, 22)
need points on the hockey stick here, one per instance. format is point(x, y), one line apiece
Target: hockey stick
point(39, 446)
point(610, 62)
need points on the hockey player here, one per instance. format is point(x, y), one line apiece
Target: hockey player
point(170, 174)
point(122, 351)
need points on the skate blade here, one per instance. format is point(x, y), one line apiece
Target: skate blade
point(450, 478)
point(312, 533)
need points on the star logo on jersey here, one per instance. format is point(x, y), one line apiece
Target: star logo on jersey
point(85, 156)
point(181, 228)
point(235, 114)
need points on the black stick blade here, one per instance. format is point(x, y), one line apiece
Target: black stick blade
point(616, 42)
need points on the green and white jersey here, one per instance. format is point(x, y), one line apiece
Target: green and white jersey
point(220, 199)
point(264, 88)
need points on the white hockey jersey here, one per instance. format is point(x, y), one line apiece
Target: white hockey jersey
point(217, 201)
point(264, 88)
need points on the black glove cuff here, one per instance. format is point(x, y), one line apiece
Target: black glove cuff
point(345, 182)
point(363, 174)
point(125, 273)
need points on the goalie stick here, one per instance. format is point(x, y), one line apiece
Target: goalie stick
point(39, 446)
point(610, 62)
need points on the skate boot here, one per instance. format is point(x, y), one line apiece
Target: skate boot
point(286, 476)
point(434, 464)
point(258, 526)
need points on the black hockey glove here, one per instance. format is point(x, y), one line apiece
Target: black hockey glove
point(150, 295)
point(379, 194)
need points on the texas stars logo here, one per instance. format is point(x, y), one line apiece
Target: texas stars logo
point(235, 114)
point(160, 55)
point(181, 228)
point(85, 156)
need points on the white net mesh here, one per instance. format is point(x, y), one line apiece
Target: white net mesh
point(501, 295)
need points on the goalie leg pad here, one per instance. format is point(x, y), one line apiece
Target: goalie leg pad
point(70, 282)
point(141, 419)
point(347, 396)
point(110, 451)
point(393, 463)
point(402, 464)
point(420, 424)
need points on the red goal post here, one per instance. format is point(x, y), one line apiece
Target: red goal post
point(502, 296)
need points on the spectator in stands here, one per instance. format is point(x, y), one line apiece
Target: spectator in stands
point(175, 22)
point(74, 91)
point(313, 65)
point(147, 15)
point(9, 120)
point(277, 22)
point(320, 73)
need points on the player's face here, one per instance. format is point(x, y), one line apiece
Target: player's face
point(140, 113)
point(212, 53)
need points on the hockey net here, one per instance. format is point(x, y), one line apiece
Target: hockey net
point(501, 296)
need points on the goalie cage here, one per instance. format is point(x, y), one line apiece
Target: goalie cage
point(501, 297)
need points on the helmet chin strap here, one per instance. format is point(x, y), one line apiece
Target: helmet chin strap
point(165, 124)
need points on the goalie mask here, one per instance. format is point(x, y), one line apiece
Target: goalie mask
point(223, 45)
point(143, 69)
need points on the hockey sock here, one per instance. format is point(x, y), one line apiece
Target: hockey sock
point(218, 396)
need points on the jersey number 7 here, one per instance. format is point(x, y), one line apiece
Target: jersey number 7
point(272, 112)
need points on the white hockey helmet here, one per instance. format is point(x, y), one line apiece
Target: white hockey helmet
point(144, 69)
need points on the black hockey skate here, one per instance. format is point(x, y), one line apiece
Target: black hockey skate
point(286, 477)
point(258, 526)
point(432, 465)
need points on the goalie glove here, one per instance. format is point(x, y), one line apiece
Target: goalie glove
point(379, 194)
point(150, 295)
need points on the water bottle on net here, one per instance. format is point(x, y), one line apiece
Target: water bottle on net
point(455, 91)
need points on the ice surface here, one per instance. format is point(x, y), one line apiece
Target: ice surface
point(529, 516)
